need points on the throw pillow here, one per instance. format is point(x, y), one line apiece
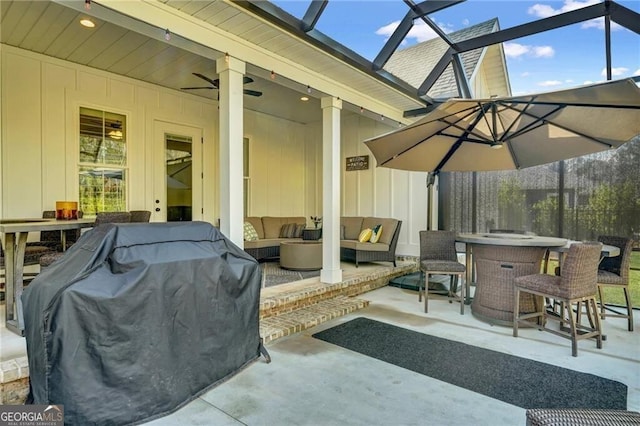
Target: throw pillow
point(365, 235)
point(250, 233)
point(375, 234)
point(288, 230)
point(299, 229)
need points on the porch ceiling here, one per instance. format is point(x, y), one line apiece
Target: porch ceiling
point(128, 46)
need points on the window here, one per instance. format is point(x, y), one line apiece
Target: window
point(103, 161)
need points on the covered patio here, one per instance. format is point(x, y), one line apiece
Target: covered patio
point(313, 382)
point(256, 148)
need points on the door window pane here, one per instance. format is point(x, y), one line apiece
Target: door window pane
point(179, 170)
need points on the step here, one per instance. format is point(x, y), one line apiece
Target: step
point(285, 298)
point(285, 324)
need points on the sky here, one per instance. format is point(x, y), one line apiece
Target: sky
point(553, 60)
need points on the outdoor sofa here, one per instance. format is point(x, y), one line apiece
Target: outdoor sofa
point(271, 232)
point(352, 250)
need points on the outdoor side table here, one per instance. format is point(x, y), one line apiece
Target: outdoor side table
point(312, 234)
point(301, 255)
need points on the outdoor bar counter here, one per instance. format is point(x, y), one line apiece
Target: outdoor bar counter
point(498, 259)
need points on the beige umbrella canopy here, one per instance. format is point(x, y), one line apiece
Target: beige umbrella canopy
point(523, 131)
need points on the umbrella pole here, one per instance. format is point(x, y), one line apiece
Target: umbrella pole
point(431, 178)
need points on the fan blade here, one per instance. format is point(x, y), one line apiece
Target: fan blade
point(193, 88)
point(245, 80)
point(252, 92)
point(207, 79)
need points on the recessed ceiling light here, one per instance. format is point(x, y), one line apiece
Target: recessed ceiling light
point(86, 22)
point(304, 98)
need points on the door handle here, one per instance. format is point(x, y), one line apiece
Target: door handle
point(157, 209)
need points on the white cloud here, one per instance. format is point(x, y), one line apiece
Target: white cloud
point(388, 29)
point(598, 23)
point(545, 10)
point(515, 50)
point(465, 22)
point(588, 82)
point(549, 83)
point(525, 74)
point(543, 51)
point(420, 31)
point(637, 72)
point(615, 72)
point(568, 80)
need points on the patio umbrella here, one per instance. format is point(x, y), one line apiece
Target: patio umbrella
point(524, 131)
point(513, 132)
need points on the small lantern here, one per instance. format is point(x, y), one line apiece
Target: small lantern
point(66, 210)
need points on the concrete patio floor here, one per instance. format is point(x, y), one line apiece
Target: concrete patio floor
point(310, 382)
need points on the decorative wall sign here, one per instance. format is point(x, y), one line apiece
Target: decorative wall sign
point(361, 162)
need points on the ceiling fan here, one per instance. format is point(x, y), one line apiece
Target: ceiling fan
point(215, 84)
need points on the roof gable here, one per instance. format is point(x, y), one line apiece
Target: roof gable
point(414, 63)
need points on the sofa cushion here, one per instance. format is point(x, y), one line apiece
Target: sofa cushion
point(352, 227)
point(269, 242)
point(272, 225)
point(356, 245)
point(389, 225)
point(257, 225)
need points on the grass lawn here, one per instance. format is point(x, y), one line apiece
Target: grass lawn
point(615, 296)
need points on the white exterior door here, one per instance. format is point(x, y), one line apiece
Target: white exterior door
point(177, 172)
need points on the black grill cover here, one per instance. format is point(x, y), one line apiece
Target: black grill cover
point(136, 320)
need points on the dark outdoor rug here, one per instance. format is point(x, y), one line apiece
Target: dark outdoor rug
point(273, 274)
point(518, 381)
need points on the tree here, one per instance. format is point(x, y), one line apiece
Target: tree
point(545, 216)
point(511, 205)
point(613, 210)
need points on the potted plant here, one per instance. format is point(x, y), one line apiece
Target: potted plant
point(316, 220)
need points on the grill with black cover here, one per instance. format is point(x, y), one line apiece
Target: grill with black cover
point(136, 320)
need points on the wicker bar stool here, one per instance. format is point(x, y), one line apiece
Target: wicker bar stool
point(576, 283)
point(581, 417)
point(614, 272)
point(438, 257)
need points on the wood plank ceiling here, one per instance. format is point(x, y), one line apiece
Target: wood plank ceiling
point(52, 29)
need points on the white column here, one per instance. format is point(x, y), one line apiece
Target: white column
point(231, 72)
point(331, 272)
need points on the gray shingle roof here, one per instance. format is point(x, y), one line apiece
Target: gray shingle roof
point(414, 63)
